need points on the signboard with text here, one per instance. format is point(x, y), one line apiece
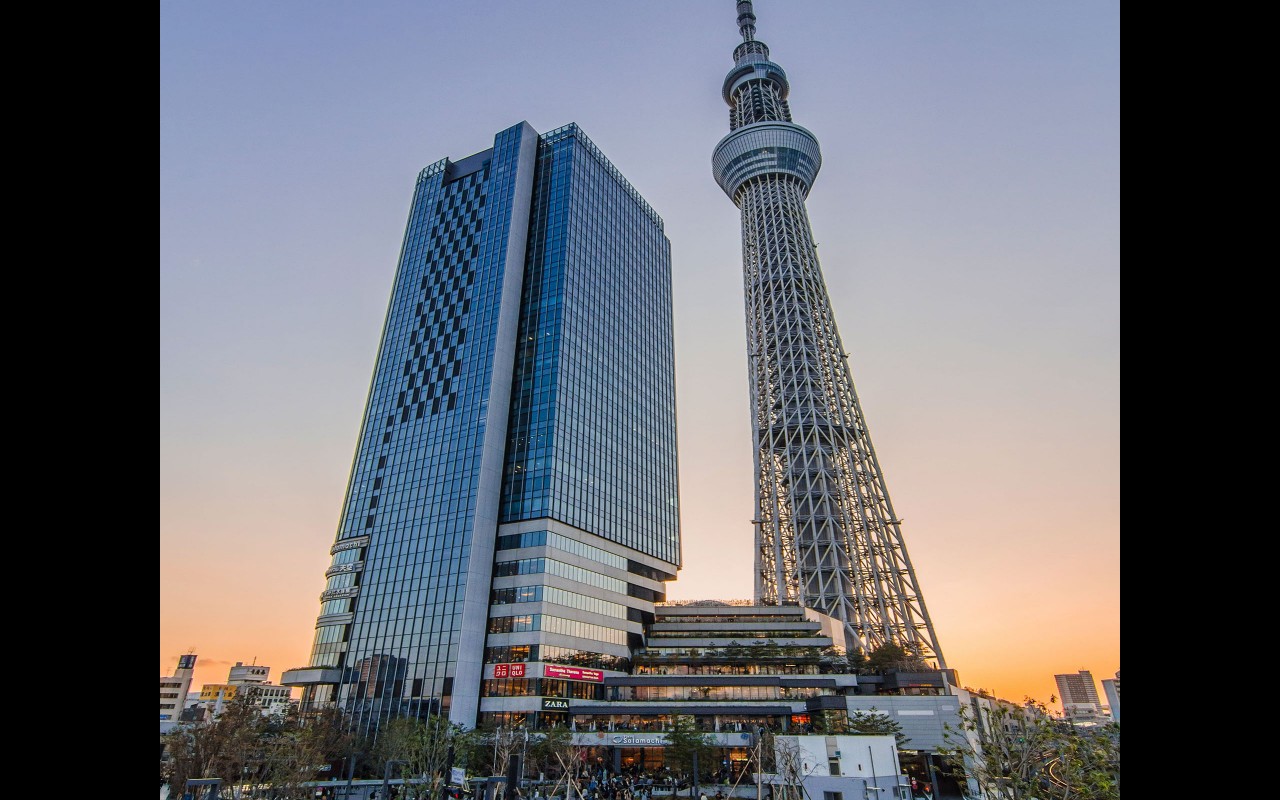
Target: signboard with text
point(508, 670)
point(554, 704)
point(572, 673)
point(621, 739)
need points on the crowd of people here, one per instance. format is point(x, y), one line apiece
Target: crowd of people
point(633, 783)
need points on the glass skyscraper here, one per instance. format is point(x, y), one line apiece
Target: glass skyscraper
point(512, 511)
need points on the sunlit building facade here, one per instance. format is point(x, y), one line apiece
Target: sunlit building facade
point(1111, 688)
point(1077, 688)
point(1078, 694)
point(512, 512)
point(173, 691)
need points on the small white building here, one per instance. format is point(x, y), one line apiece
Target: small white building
point(841, 767)
point(251, 680)
point(243, 673)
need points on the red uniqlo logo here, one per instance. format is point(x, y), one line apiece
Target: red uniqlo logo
point(500, 670)
point(517, 670)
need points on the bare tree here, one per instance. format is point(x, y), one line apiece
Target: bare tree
point(496, 746)
point(298, 749)
point(1014, 752)
point(789, 769)
point(423, 748)
point(229, 747)
point(555, 753)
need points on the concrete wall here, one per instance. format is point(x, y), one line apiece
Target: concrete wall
point(922, 718)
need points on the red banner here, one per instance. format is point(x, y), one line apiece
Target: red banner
point(572, 673)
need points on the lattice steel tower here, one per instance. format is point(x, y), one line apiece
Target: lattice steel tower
point(826, 532)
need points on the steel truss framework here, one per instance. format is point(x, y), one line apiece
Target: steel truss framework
point(826, 532)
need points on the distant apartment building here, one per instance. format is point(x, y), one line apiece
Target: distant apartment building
point(1078, 688)
point(173, 691)
point(1079, 696)
point(1111, 688)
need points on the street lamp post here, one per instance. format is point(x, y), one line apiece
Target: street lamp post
point(524, 755)
point(351, 771)
point(497, 734)
point(693, 790)
point(757, 738)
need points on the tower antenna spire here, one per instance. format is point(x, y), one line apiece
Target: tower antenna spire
point(746, 20)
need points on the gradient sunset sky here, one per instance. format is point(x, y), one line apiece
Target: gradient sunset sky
point(967, 215)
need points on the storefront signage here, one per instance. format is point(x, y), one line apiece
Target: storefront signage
point(508, 670)
point(349, 544)
point(638, 740)
point(554, 704)
point(573, 673)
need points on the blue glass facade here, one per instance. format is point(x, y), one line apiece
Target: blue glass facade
point(525, 372)
point(592, 438)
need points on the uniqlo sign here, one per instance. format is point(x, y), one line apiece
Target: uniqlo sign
point(508, 670)
point(573, 673)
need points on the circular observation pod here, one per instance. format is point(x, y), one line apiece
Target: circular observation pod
point(755, 67)
point(765, 148)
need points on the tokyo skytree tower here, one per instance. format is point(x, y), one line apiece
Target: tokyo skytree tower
point(826, 533)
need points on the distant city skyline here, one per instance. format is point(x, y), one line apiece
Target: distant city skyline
point(968, 227)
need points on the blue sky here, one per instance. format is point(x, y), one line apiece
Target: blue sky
point(967, 215)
